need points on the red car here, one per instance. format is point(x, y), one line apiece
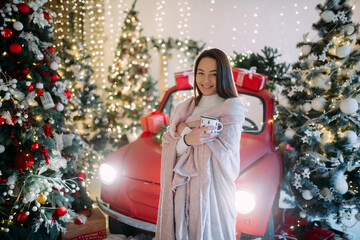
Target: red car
point(131, 176)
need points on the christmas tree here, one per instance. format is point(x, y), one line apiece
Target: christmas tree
point(131, 93)
point(40, 174)
point(319, 119)
point(85, 107)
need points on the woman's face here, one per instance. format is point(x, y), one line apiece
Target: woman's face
point(206, 76)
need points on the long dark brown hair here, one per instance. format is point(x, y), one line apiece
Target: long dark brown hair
point(225, 86)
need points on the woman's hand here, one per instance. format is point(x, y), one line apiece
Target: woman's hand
point(198, 136)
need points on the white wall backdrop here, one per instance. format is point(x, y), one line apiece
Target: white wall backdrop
point(231, 25)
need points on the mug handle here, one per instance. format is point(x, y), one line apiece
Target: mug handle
point(221, 126)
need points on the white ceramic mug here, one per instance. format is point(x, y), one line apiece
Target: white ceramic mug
point(211, 121)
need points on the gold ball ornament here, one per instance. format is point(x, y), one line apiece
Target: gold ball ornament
point(42, 198)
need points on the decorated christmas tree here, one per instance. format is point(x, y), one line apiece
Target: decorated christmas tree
point(131, 92)
point(41, 176)
point(84, 111)
point(319, 119)
point(76, 72)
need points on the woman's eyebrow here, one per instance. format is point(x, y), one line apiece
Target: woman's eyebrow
point(199, 69)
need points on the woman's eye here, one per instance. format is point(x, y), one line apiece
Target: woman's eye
point(200, 73)
point(214, 74)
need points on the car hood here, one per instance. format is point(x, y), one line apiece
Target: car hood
point(143, 157)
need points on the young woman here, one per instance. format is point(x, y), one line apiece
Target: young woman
point(198, 169)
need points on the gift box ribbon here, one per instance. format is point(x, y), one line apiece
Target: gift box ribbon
point(251, 72)
point(285, 236)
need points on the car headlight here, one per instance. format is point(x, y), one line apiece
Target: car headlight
point(245, 201)
point(107, 173)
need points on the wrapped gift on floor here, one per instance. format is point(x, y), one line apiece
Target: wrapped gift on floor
point(318, 233)
point(152, 123)
point(93, 228)
point(249, 78)
point(184, 80)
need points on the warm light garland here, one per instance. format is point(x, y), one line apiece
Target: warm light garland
point(94, 37)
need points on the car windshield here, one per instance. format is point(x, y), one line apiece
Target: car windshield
point(254, 109)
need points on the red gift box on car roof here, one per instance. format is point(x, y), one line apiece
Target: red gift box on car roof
point(249, 78)
point(184, 80)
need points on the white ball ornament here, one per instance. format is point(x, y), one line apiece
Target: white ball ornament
point(283, 102)
point(302, 214)
point(2, 148)
point(307, 195)
point(357, 217)
point(327, 16)
point(318, 104)
point(289, 133)
point(54, 66)
point(18, 26)
point(349, 29)
point(351, 136)
point(34, 209)
point(349, 106)
point(39, 56)
point(343, 51)
point(357, 98)
point(340, 184)
point(305, 49)
point(60, 107)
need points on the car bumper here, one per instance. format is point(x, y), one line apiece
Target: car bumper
point(125, 219)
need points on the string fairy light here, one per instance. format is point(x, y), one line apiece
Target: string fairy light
point(61, 21)
point(94, 39)
point(114, 13)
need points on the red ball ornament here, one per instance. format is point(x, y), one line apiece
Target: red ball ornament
point(78, 221)
point(15, 48)
point(23, 8)
point(51, 49)
point(2, 121)
point(22, 217)
point(46, 15)
point(61, 211)
point(54, 78)
point(67, 93)
point(24, 159)
point(30, 88)
point(6, 33)
point(81, 219)
point(25, 71)
point(81, 176)
point(47, 130)
point(34, 145)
